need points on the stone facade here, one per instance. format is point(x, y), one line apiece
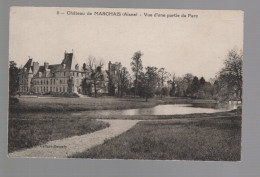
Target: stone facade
point(64, 77)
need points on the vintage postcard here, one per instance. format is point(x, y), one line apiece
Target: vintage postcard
point(114, 83)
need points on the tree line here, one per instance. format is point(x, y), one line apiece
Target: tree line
point(150, 81)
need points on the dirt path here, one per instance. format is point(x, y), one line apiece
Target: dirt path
point(76, 144)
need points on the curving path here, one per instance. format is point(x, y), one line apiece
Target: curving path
point(76, 144)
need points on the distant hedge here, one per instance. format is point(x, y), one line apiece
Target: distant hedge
point(65, 94)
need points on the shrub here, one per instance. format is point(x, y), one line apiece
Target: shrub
point(13, 100)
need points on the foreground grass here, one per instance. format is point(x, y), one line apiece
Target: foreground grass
point(28, 130)
point(187, 139)
point(85, 104)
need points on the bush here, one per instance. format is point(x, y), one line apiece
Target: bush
point(13, 100)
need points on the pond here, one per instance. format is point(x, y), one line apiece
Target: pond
point(168, 109)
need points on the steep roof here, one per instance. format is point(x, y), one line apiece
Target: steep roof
point(67, 61)
point(28, 65)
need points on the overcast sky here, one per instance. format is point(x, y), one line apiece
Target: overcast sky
point(181, 45)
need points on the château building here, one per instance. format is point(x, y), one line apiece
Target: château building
point(64, 77)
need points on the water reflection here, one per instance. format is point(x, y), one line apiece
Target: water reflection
point(171, 109)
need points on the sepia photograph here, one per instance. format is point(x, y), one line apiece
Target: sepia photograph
point(122, 83)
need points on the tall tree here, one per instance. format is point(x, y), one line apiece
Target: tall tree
point(173, 89)
point(195, 85)
point(187, 81)
point(173, 85)
point(125, 77)
point(150, 81)
point(231, 74)
point(13, 78)
point(184, 84)
point(202, 81)
point(163, 75)
point(137, 67)
point(118, 78)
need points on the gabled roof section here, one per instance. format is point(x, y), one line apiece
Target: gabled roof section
point(55, 67)
point(28, 65)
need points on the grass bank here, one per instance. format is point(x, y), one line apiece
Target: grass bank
point(28, 130)
point(85, 104)
point(216, 139)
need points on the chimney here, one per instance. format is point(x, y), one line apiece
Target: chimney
point(35, 67)
point(46, 65)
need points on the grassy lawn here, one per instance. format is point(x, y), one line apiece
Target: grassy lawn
point(95, 115)
point(29, 129)
point(84, 104)
point(181, 139)
point(35, 121)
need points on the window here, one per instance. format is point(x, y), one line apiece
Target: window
point(47, 82)
point(41, 82)
point(60, 81)
point(64, 73)
point(50, 89)
point(77, 74)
